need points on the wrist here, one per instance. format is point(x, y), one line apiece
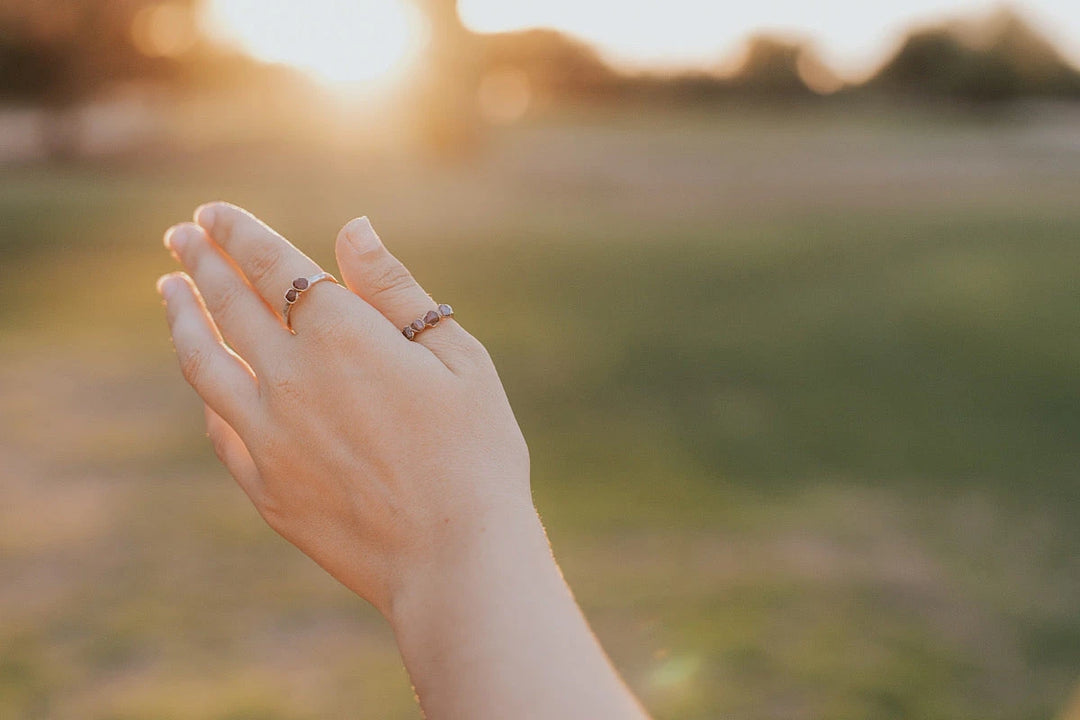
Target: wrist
point(481, 556)
point(489, 629)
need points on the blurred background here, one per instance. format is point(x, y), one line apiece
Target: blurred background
point(800, 376)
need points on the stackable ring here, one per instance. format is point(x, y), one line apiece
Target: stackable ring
point(299, 286)
point(430, 319)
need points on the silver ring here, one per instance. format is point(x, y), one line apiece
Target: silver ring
point(300, 286)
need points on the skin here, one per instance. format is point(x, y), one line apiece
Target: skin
point(397, 466)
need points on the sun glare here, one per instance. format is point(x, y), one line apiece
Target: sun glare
point(356, 44)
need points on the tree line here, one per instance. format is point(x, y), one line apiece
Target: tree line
point(58, 55)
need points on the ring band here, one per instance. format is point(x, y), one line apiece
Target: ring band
point(299, 286)
point(430, 319)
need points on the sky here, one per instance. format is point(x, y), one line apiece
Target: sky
point(852, 35)
point(370, 42)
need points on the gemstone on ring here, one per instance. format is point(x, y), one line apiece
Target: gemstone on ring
point(299, 285)
point(429, 319)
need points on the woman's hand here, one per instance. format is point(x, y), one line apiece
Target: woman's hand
point(396, 465)
point(372, 454)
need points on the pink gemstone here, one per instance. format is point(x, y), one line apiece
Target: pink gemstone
point(300, 283)
point(446, 310)
point(408, 332)
point(431, 318)
point(290, 296)
point(418, 324)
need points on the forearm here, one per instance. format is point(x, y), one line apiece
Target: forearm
point(492, 631)
point(390, 457)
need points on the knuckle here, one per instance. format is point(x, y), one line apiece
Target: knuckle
point(227, 299)
point(271, 445)
point(388, 277)
point(263, 264)
point(476, 351)
point(193, 364)
point(286, 388)
point(329, 325)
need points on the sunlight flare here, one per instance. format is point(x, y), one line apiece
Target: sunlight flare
point(352, 44)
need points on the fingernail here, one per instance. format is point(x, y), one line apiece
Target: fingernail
point(361, 235)
point(167, 284)
point(176, 238)
point(204, 215)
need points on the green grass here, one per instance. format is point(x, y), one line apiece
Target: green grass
point(802, 397)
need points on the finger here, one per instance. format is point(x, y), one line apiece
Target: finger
point(369, 270)
point(220, 378)
point(269, 261)
point(233, 453)
point(245, 321)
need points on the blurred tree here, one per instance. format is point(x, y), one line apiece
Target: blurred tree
point(1036, 65)
point(930, 62)
point(555, 65)
point(770, 68)
point(463, 69)
point(446, 91)
point(996, 60)
point(59, 54)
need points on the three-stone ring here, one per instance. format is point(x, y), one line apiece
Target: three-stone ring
point(299, 286)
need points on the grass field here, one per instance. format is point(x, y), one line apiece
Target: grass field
point(802, 393)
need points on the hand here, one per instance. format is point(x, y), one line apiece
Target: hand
point(375, 455)
point(397, 465)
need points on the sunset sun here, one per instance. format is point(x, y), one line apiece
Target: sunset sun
point(353, 44)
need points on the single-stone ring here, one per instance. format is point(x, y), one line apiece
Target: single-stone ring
point(299, 287)
point(430, 319)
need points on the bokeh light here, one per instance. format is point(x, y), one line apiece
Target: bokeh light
point(165, 30)
point(504, 95)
